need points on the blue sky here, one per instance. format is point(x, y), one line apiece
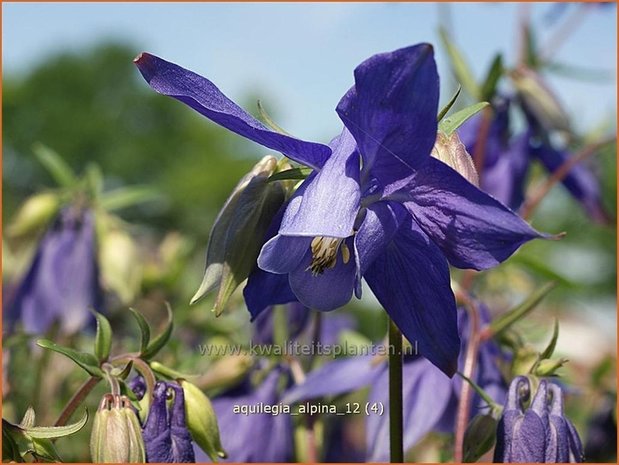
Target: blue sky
point(299, 57)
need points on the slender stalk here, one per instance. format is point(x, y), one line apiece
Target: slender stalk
point(396, 404)
point(466, 391)
point(76, 400)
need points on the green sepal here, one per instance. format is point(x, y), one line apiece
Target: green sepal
point(548, 367)
point(103, 337)
point(84, 360)
point(504, 321)
point(450, 104)
point(161, 340)
point(53, 432)
point(59, 170)
point(29, 419)
point(144, 329)
point(264, 116)
point(124, 197)
point(459, 66)
point(453, 122)
point(168, 372)
point(293, 173)
point(495, 72)
point(479, 437)
point(550, 348)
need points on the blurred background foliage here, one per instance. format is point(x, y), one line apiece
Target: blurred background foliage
point(91, 107)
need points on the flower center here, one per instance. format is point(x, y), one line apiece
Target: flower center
point(324, 253)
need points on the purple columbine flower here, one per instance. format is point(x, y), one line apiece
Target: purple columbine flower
point(62, 284)
point(540, 433)
point(377, 205)
point(430, 397)
point(165, 434)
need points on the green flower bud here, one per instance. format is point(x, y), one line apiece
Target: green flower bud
point(479, 437)
point(119, 259)
point(452, 152)
point(202, 421)
point(34, 214)
point(238, 233)
point(116, 434)
point(549, 367)
point(539, 100)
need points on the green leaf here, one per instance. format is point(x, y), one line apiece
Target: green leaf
point(124, 197)
point(44, 449)
point(161, 340)
point(483, 394)
point(86, 361)
point(549, 350)
point(542, 269)
point(459, 66)
point(492, 78)
point(94, 179)
point(453, 122)
point(294, 173)
point(52, 432)
point(55, 165)
point(122, 373)
point(144, 329)
point(268, 120)
point(581, 73)
point(450, 104)
point(168, 372)
point(103, 337)
point(504, 321)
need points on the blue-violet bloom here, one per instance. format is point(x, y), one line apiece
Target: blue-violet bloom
point(376, 206)
point(62, 284)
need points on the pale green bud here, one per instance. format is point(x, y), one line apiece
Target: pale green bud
point(202, 421)
point(452, 152)
point(479, 437)
point(539, 100)
point(116, 434)
point(121, 269)
point(34, 214)
point(238, 233)
point(549, 367)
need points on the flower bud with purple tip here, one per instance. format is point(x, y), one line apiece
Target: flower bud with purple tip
point(540, 433)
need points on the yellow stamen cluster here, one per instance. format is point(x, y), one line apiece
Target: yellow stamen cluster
point(324, 253)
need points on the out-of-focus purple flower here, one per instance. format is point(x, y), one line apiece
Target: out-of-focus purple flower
point(377, 205)
point(62, 284)
point(251, 436)
point(601, 442)
point(505, 158)
point(540, 433)
point(430, 398)
point(165, 434)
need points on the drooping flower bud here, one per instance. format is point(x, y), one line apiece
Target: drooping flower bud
point(202, 421)
point(539, 101)
point(116, 435)
point(451, 151)
point(121, 269)
point(35, 213)
point(539, 433)
point(239, 230)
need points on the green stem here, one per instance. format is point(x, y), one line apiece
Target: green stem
point(396, 421)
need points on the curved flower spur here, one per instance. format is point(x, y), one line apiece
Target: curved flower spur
point(377, 205)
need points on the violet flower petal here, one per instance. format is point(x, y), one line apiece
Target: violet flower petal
point(337, 377)
point(391, 110)
point(330, 202)
point(411, 281)
point(156, 429)
point(472, 229)
point(329, 290)
point(203, 96)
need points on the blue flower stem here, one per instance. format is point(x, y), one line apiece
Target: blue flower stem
point(396, 420)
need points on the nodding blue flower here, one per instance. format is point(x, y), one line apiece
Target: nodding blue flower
point(62, 284)
point(540, 433)
point(507, 159)
point(430, 398)
point(165, 434)
point(377, 205)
